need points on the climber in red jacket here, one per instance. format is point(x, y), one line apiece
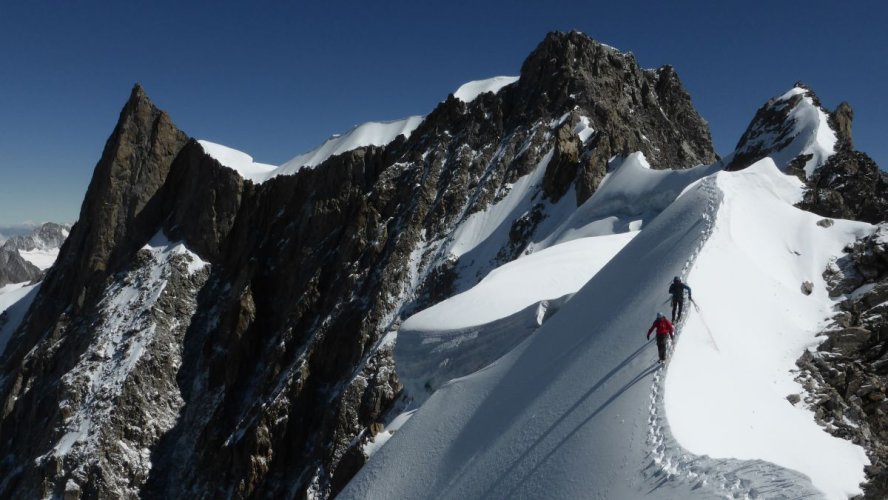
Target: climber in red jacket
point(664, 329)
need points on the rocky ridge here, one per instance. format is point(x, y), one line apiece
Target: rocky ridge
point(278, 361)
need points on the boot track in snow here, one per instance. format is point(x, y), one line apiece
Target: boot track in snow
point(727, 478)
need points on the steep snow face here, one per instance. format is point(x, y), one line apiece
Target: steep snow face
point(470, 330)
point(15, 300)
point(725, 393)
point(628, 197)
point(470, 91)
point(367, 134)
point(238, 161)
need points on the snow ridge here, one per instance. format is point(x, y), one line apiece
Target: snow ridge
point(670, 463)
point(470, 91)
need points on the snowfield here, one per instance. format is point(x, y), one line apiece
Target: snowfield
point(538, 381)
point(727, 385)
point(470, 91)
point(15, 299)
point(43, 259)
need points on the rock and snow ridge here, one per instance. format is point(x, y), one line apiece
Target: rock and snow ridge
point(366, 134)
point(135, 313)
point(521, 439)
point(470, 91)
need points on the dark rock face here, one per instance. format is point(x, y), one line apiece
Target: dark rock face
point(117, 217)
point(631, 109)
point(267, 368)
point(849, 186)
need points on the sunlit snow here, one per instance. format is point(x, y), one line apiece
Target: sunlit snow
point(470, 91)
point(733, 366)
point(238, 161)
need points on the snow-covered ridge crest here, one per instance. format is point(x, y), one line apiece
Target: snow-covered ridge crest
point(470, 91)
point(238, 161)
point(746, 342)
point(367, 134)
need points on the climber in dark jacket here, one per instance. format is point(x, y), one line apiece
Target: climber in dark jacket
point(664, 328)
point(676, 289)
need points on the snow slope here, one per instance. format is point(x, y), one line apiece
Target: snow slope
point(43, 259)
point(238, 161)
point(472, 329)
point(367, 134)
point(470, 91)
point(577, 408)
point(629, 196)
point(753, 324)
point(15, 299)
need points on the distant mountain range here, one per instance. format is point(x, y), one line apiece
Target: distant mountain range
point(27, 254)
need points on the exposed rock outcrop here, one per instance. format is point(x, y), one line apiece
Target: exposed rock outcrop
point(846, 377)
point(849, 186)
point(630, 108)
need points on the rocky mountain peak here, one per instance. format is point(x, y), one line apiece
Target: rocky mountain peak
point(628, 107)
point(118, 201)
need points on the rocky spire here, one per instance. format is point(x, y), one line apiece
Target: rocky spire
point(119, 212)
point(118, 203)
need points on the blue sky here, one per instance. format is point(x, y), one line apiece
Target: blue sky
point(277, 78)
